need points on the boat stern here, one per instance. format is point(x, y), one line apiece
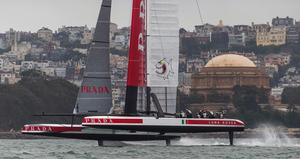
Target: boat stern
point(50, 128)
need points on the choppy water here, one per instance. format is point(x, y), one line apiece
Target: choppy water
point(184, 148)
point(272, 144)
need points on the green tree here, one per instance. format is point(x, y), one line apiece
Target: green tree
point(245, 98)
point(34, 95)
point(290, 95)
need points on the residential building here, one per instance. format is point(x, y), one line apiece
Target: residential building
point(220, 39)
point(27, 65)
point(239, 29)
point(8, 78)
point(271, 69)
point(276, 95)
point(45, 34)
point(119, 42)
point(297, 25)
point(261, 27)
point(55, 71)
point(275, 36)
point(72, 29)
point(291, 78)
point(184, 78)
point(87, 37)
point(292, 35)
point(194, 65)
point(200, 38)
point(113, 30)
point(22, 49)
point(245, 32)
point(6, 65)
point(277, 59)
point(75, 33)
point(288, 22)
point(237, 39)
point(12, 36)
point(3, 43)
point(204, 30)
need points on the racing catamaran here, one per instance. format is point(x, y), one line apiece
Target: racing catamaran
point(150, 105)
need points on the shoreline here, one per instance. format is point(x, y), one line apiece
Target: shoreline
point(248, 133)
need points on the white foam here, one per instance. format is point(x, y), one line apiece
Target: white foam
point(271, 137)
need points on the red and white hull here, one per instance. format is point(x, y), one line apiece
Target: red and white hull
point(122, 128)
point(51, 128)
point(164, 125)
point(81, 132)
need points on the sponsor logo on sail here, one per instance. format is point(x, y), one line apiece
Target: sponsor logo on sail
point(164, 69)
point(95, 89)
point(141, 46)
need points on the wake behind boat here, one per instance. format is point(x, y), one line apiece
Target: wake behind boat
point(151, 84)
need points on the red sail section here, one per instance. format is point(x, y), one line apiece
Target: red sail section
point(136, 61)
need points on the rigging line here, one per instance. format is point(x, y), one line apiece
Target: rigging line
point(199, 11)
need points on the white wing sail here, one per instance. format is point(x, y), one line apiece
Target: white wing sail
point(163, 51)
point(162, 43)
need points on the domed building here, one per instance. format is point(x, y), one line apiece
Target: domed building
point(216, 80)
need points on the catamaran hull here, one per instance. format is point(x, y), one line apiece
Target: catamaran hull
point(106, 137)
point(170, 129)
point(121, 128)
point(164, 125)
point(86, 133)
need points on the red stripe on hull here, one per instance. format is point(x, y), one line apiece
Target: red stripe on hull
point(212, 122)
point(55, 129)
point(131, 121)
point(107, 120)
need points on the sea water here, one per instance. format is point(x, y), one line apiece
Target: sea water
point(184, 148)
point(273, 144)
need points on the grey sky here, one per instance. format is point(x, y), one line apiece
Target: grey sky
point(30, 15)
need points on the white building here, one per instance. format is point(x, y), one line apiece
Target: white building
point(116, 92)
point(237, 39)
point(12, 36)
point(55, 72)
point(194, 65)
point(22, 49)
point(87, 37)
point(113, 30)
point(27, 65)
point(60, 72)
point(75, 32)
point(8, 78)
point(6, 65)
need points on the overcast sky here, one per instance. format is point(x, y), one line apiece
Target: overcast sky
point(31, 15)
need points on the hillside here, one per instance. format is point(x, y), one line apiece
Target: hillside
point(34, 95)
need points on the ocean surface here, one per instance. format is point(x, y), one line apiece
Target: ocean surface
point(180, 149)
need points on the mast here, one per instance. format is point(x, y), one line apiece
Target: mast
point(95, 94)
point(153, 57)
point(136, 62)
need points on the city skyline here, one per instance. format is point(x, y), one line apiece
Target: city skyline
point(31, 15)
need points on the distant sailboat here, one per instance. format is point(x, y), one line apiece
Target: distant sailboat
point(95, 94)
point(151, 84)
